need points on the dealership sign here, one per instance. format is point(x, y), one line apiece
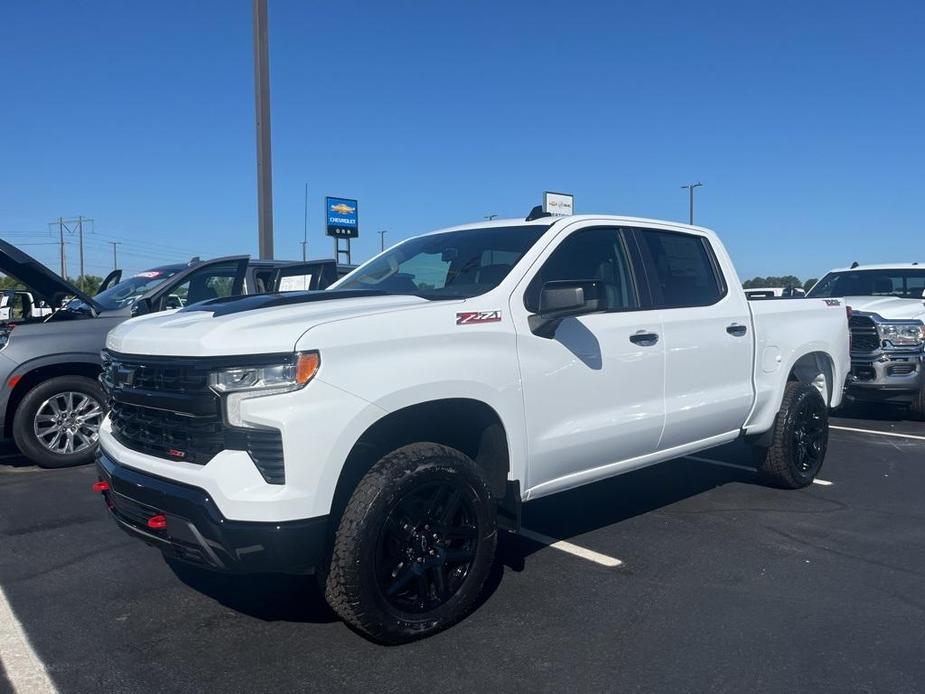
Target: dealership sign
point(341, 216)
point(558, 204)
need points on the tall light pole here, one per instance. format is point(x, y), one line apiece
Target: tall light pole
point(382, 239)
point(690, 189)
point(305, 226)
point(262, 100)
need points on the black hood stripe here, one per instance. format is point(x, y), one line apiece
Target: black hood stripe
point(236, 304)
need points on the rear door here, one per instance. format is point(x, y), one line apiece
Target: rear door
point(110, 280)
point(707, 334)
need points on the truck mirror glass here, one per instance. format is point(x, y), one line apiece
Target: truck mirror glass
point(141, 307)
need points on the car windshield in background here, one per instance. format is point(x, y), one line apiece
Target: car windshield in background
point(125, 293)
point(452, 264)
point(907, 284)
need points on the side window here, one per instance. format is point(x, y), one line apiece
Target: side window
point(211, 282)
point(589, 255)
point(685, 270)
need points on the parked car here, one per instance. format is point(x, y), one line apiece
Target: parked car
point(887, 331)
point(19, 304)
point(380, 432)
point(51, 403)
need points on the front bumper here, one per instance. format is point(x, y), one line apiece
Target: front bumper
point(196, 531)
point(886, 377)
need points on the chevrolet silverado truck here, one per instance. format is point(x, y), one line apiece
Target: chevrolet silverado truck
point(887, 331)
point(51, 403)
point(381, 432)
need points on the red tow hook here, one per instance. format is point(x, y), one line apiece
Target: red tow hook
point(158, 522)
point(100, 487)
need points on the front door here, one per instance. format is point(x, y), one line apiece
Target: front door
point(594, 392)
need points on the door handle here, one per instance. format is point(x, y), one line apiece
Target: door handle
point(644, 338)
point(736, 330)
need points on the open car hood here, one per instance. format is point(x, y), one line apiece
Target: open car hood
point(37, 277)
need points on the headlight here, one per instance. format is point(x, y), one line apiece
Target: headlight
point(245, 382)
point(901, 334)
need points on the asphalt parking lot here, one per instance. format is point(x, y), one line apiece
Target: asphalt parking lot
point(722, 585)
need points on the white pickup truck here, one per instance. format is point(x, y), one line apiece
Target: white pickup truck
point(379, 433)
point(18, 304)
point(887, 331)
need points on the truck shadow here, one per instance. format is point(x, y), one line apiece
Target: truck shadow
point(271, 597)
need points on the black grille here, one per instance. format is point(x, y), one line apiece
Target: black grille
point(165, 407)
point(864, 337)
point(901, 369)
point(191, 438)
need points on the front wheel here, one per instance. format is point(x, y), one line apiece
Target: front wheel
point(414, 545)
point(57, 423)
point(800, 437)
point(917, 408)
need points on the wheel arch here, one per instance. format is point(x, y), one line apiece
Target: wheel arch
point(468, 425)
point(818, 369)
point(32, 373)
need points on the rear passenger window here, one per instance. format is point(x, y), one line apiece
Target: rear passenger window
point(594, 255)
point(685, 269)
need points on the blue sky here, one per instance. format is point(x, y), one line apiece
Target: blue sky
point(805, 121)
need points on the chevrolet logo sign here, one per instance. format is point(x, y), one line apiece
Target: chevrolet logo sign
point(343, 208)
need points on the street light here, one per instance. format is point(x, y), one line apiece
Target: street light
point(382, 239)
point(690, 188)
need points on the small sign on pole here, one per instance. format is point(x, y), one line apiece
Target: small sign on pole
point(558, 204)
point(341, 216)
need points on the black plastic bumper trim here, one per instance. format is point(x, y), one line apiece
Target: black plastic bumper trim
point(198, 533)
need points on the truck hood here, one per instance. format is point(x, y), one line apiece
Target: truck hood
point(889, 307)
point(37, 277)
point(264, 324)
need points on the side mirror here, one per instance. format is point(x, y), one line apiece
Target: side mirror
point(564, 299)
point(141, 307)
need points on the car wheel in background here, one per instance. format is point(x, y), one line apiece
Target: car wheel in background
point(57, 423)
point(800, 436)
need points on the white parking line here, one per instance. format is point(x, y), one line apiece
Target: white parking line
point(569, 548)
point(22, 666)
point(735, 466)
point(878, 433)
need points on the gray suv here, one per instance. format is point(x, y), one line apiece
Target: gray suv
point(51, 403)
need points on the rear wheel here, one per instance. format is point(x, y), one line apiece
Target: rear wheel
point(414, 546)
point(57, 423)
point(799, 439)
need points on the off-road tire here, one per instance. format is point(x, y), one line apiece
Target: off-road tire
point(779, 464)
point(917, 408)
point(352, 588)
point(24, 434)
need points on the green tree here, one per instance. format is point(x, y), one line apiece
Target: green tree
point(88, 284)
point(810, 283)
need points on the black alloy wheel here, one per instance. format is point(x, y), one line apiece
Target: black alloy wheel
point(427, 545)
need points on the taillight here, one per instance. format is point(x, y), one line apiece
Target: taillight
point(100, 487)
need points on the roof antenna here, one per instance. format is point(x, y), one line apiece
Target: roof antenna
point(537, 213)
point(854, 264)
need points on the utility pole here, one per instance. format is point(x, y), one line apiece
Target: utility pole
point(115, 263)
point(691, 188)
point(80, 235)
point(61, 235)
point(382, 239)
point(262, 100)
point(305, 226)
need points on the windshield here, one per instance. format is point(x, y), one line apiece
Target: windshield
point(125, 293)
point(907, 284)
point(450, 265)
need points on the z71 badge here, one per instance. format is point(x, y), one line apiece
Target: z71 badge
point(473, 317)
point(832, 302)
